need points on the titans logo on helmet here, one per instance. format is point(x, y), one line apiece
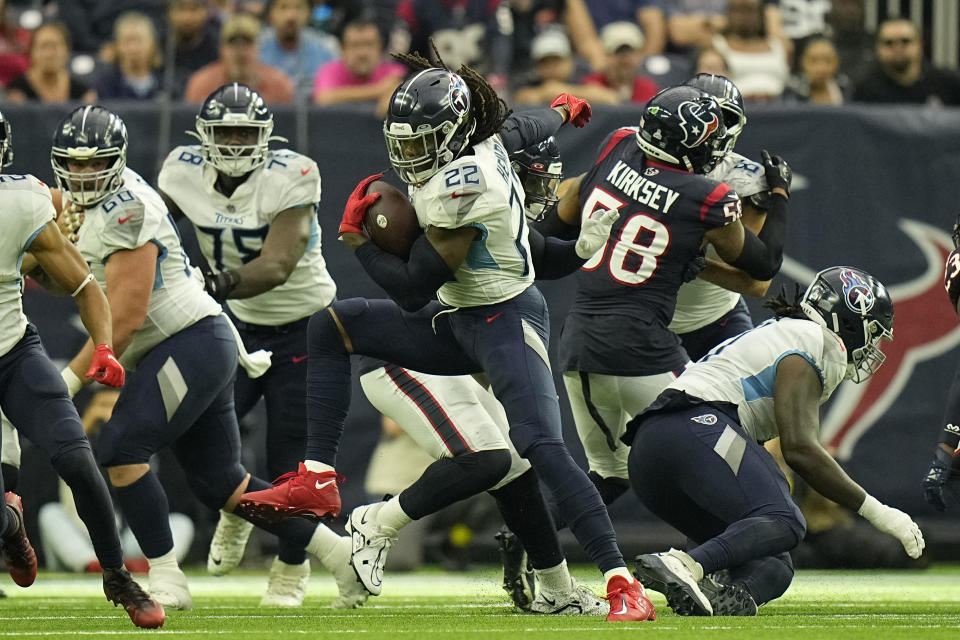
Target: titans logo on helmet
point(696, 122)
point(856, 292)
point(457, 94)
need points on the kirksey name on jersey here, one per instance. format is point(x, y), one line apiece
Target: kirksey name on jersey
point(231, 231)
point(127, 220)
point(480, 190)
point(742, 370)
point(664, 213)
point(26, 210)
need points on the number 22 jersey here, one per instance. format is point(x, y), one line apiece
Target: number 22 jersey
point(627, 291)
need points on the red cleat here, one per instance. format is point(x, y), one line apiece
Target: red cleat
point(120, 588)
point(628, 601)
point(306, 493)
point(17, 550)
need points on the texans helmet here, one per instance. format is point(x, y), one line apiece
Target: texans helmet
point(90, 133)
point(683, 126)
point(541, 171)
point(223, 117)
point(855, 306)
point(730, 100)
point(428, 124)
point(6, 143)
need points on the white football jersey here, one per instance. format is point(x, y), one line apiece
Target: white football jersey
point(26, 210)
point(742, 370)
point(700, 302)
point(231, 231)
point(483, 191)
point(129, 219)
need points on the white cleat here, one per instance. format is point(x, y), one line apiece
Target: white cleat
point(169, 588)
point(287, 584)
point(228, 544)
point(676, 575)
point(352, 592)
point(371, 542)
point(579, 601)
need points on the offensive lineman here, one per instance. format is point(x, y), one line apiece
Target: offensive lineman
point(254, 211)
point(184, 350)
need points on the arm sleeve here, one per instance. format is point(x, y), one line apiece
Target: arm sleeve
point(411, 284)
point(552, 257)
point(521, 130)
point(554, 226)
point(950, 434)
point(762, 254)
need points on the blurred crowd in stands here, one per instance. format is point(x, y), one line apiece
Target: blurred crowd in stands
point(336, 51)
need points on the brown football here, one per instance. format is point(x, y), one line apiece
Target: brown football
point(391, 222)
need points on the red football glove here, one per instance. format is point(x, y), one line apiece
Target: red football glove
point(105, 367)
point(357, 205)
point(578, 109)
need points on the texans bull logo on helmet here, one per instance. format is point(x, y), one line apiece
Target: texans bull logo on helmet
point(697, 123)
point(856, 292)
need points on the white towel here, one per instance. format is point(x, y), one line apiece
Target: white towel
point(256, 363)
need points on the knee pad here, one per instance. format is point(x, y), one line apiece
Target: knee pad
point(214, 486)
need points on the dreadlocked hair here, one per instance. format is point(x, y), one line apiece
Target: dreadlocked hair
point(785, 307)
point(487, 109)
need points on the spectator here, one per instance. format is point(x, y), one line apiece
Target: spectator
point(623, 42)
point(14, 47)
point(692, 24)
point(294, 48)
point(853, 42)
point(554, 63)
point(646, 13)
point(195, 40)
point(238, 63)
point(47, 79)
point(711, 61)
point(818, 80)
point(134, 75)
point(758, 61)
point(90, 22)
point(533, 17)
point(901, 74)
point(361, 75)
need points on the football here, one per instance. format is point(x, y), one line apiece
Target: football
point(391, 223)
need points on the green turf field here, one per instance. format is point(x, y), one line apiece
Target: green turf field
point(863, 605)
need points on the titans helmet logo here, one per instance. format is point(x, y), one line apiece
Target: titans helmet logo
point(458, 95)
point(696, 122)
point(856, 292)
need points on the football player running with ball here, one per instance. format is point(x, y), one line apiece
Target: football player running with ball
point(34, 395)
point(184, 352)
point(696, 462)
point(443, 138)
point(254, 212)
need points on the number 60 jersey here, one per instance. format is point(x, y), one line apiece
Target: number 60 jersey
point(231, 231)
point(627, 291)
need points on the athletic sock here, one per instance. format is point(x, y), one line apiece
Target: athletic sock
point(328, 389)
point(555, 579)
point(80, 472)
point(450, 480)
point(144, 505)
point(167, 560)
point(323, 545)
point(317, 467)
point(391, 514)
point(524, 510)
point(623, 572)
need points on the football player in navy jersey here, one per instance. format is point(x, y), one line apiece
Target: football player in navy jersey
point(616, 351)
point(696, 460)
point(254, 212)
point(444, 137)
point(945, 467)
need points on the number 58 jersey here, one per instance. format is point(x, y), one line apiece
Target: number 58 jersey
point(231, 230)
point(627, 291)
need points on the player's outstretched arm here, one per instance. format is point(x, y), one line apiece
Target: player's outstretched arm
point(796, 397)
point(738, 280)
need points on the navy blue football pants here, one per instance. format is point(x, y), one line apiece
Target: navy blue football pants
point(697, 470)
point(734, 322)
point(34, 397)
point(283, 389)
point(507, 341)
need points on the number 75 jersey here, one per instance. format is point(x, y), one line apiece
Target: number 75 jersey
point(231, 231)
point(664, 213)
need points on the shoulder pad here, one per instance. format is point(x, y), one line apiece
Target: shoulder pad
point(612, 140)
point(741, 173)
point(184, 156)
point(124, 221)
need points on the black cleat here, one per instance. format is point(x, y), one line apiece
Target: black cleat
point(518, 578)
point(728, 599)
point(121, 589)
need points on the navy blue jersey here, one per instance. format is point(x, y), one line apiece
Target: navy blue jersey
point(664, 213)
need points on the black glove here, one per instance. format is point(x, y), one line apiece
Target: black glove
point(937, 478)
point(694, 267)
point(777, 171)
point(219, 285)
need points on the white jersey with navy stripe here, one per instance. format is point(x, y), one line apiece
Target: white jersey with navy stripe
point(700, 302)
point(742, 370)
point(481, 190)
point(127, 220)
point(231, 230)
point(26, 210)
